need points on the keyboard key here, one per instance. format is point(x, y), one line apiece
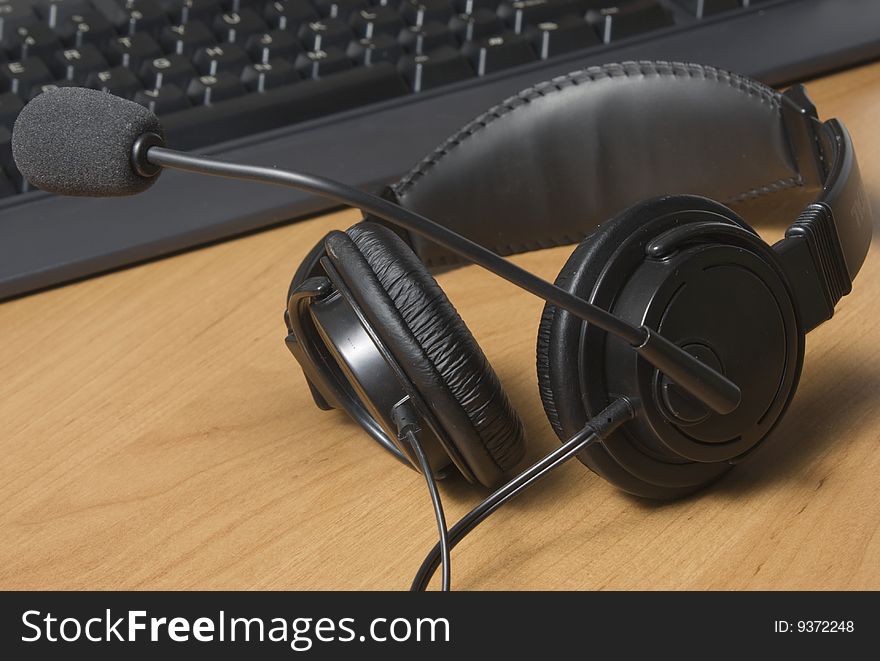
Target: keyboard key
point(471, 6)
point(86, 28)
point(186, 38)
point(10, 105)
point(21, 76)
point(319, 35)
point(118, 80)
point(184, 11)
point(15, 14)
point(9, 174)
point(273, 45)
point(441, 67)
point(626, 20)
point(140, 16)
point(6, 158)
point(419, 12)
point(169, 69)
point(132, 51)
point(226, 57)
point(48, 87)
point(425, 38)
point(238, 5)
point(56, 11)
point(518, 14)
point(569, 33)
point(269, 75)
point(284, 106)
point(702, 8)
point(468, 27)
point(341, 9)
point(375, 20)
point(166, 99)
point(75, 64)
point(369, 51)
point(37, 40)
point(210, 89)
point(238, 26)
point(290, 15)
point(320, 63)
point(499, 52)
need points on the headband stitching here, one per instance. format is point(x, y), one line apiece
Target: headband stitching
point(772, 187)
point(747, 86)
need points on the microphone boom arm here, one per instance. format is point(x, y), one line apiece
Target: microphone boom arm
point(707, 385)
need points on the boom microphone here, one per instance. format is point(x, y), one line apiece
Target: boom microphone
point(75, 141)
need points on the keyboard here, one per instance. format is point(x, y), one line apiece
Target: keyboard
point(357, 90)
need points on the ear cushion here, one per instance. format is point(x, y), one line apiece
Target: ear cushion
point(445, 360)
point(560, 375)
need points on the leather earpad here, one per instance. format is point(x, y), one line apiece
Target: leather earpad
point(443, 358)
point(560, 377)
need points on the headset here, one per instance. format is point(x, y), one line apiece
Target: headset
point(671, 342)
point(638, 162)
point(370, 326)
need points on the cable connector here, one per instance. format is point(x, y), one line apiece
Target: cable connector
point(405, 417)
point(615, 414)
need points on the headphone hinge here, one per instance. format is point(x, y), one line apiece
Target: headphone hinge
point(800, 120)
point(813, 259)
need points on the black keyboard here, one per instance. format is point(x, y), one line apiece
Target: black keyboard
point(353, 89)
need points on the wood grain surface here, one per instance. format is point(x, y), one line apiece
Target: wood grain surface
point(155, 433)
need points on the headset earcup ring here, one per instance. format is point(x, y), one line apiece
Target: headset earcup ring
point(574, 389)
point(433, 346)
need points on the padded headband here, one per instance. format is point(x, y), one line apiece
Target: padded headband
point(549, 165)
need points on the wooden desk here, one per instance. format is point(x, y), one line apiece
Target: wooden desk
point(156, 433)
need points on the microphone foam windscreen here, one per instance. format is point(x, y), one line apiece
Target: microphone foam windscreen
point(77, 141)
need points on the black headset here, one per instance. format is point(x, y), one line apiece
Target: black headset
point(673, 339)
point(371, 328)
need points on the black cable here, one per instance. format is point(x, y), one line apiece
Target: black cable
point(412, 439)
point(598, 428)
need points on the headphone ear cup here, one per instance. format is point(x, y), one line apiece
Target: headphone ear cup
point(586, 261)
point(564, 384)
point(441, 357)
